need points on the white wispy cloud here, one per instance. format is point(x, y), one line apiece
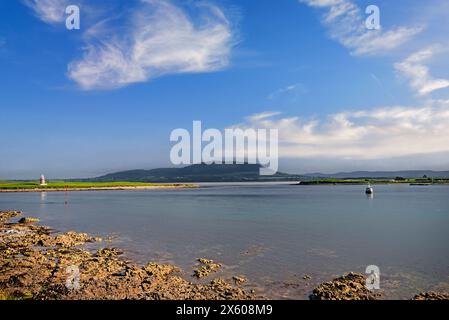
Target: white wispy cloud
point(263, 115)
point(49, 11)
point(293, 88)
point(361, 135)
point(414, 69)
point(160, 39)
point(346, 23)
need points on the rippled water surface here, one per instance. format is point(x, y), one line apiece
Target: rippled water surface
point(274, 234)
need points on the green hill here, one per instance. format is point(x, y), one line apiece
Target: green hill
point(195, 173)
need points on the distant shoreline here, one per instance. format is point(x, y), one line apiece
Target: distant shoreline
point(115, 188)
point(411, 182)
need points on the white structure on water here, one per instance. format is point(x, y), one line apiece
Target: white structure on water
point(369, 189)
point(42, 181)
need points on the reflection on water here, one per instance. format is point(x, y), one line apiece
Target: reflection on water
point(273, 234)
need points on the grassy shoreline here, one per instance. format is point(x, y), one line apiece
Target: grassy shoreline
point(62, 186)
point(374, 181)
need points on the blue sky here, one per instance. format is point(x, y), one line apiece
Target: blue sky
point(79, 103)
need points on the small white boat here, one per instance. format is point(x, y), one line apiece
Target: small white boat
point(369, 189)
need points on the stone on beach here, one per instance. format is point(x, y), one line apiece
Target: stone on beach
point(432, 296)
point(351, 286)
point(28, 220)
point(206, 268)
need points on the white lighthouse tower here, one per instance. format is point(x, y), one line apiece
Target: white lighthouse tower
point(42, 181)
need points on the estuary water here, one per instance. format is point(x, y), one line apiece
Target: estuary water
point(273, 234)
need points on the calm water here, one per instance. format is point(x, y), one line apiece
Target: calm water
point(274, 234)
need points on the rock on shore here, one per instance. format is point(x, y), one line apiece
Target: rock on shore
point(351, 286)
point(206, 268)
point(432, 296)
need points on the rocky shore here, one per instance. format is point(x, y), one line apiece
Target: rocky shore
point(352, 286)
point(39, 263)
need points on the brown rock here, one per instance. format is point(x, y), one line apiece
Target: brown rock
point(432, 296)
point(348, 287)
point(239, 279)
point(28, 220)
point(207, 267)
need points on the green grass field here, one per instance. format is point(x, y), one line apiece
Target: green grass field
point(26, 185)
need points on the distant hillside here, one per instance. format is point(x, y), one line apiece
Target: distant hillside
point(247, 172)
point(382, 174)
point(195, 173)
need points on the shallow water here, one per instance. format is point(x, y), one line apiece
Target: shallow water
point(274, 234)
